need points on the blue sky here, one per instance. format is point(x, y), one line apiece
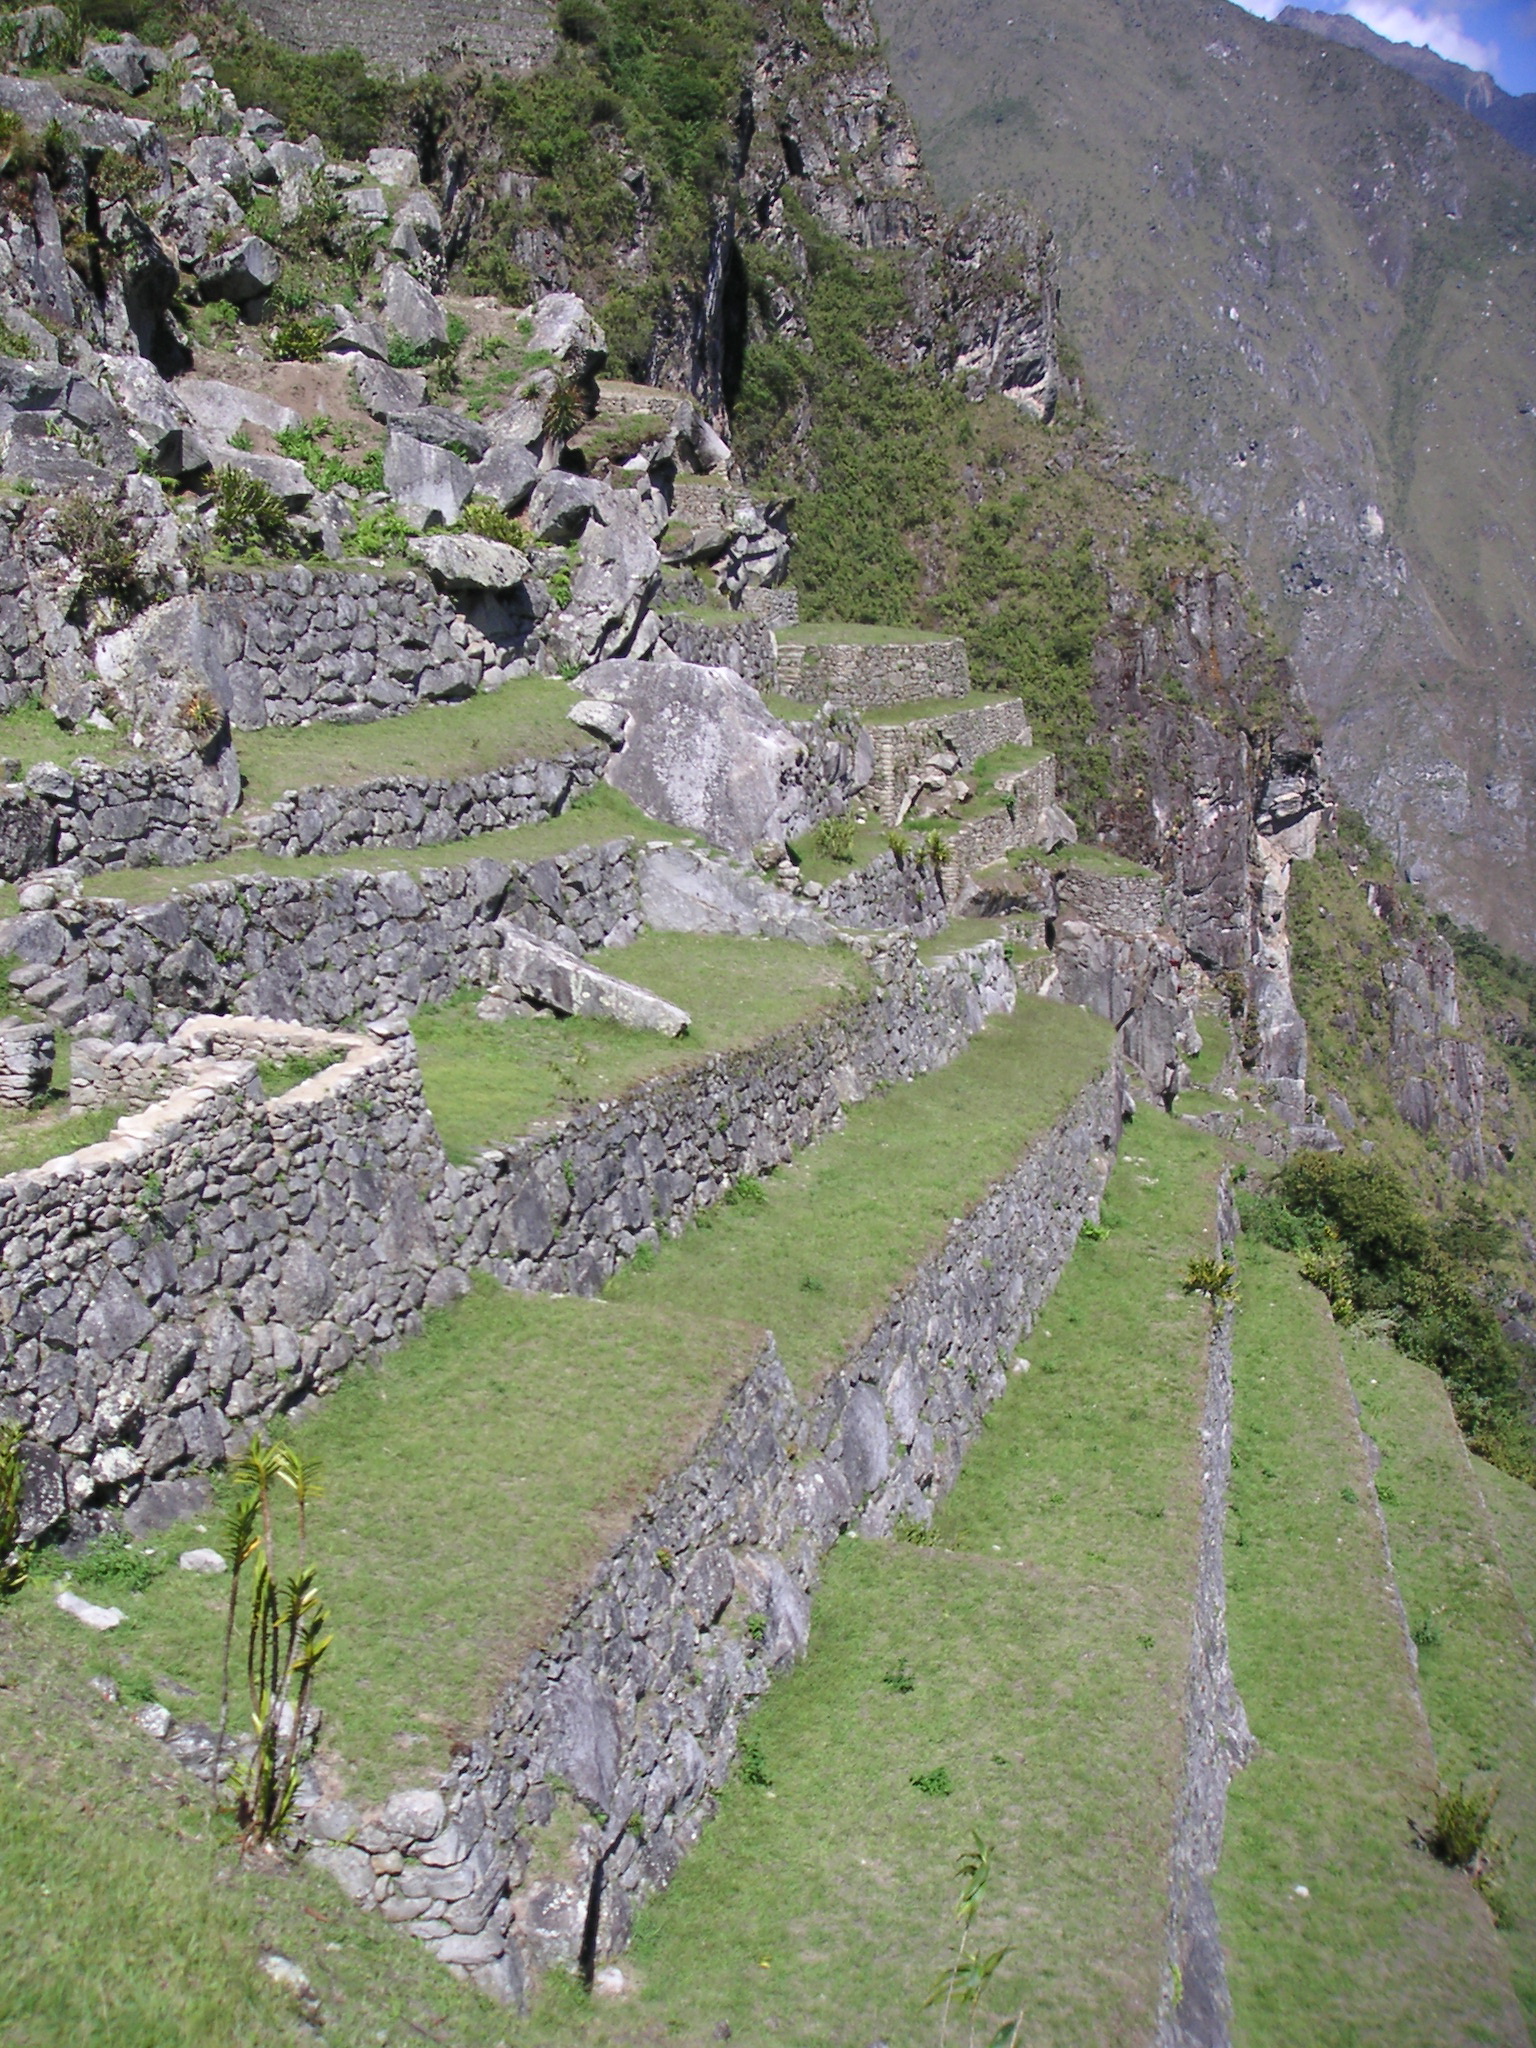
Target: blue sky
point(1500, 37)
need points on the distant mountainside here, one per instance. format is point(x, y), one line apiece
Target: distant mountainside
point(1305, 284)
point(1513, 114)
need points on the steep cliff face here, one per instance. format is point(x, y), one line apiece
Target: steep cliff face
point(1303, 283)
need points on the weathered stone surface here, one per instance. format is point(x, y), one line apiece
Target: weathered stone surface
point(561, 505)
point(563, 326)
point(700, 750)
point(411, 312)
point(98, 1618)
point(560, 981)
point(223, 409)
point(426, 479)
point(466, 561)
point(382, 390)
point(506, 475)
point(443, 428)
point(166, 673)
point(397, 167)
point(243, 271)
point(682, 890)
point(26, 1061)
point(283, 477)
point(616, 578)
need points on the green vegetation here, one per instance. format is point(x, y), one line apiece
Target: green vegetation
point(602, 814)
point(521, 721)
point(1336, 1927)
point(1031, 1656)
point(486, 1083)
point(846, 633)
point(278, 1076)
point(1361, 1237)
point(1477, 1676)
point(327, 466)
point(1506, 987)
point(13, 1564)
point(250, 519)
point(29, 1137)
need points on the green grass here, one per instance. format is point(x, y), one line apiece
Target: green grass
point(30, 734)
point(1094, 860)
point(1476, 1669)
point(1512, 1504)
point(1046, 1636)
point(1215, 1044)
point(869, 842)
point(933, 707)
point(832, 633)
point(30, 1136)
point(523, 720)
point(1389, 1947)
point(601, 815)
point(548, 1418)
point(959, 933)
point(488, 1082)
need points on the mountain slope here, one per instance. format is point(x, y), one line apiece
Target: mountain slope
point(1304, 284)
point(1512, 114)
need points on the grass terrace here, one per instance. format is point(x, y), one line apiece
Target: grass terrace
point(1020, 1673)
point(522, 721)
point(600, 815)
point(1336, 1926)
point(554, 1416)
point(830, 633)
point(486, 1083)
point(1477, 1673)
point(931, 707)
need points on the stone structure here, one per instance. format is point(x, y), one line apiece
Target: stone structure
point(315, 949)
point(866, 674)
point(422, 810)
point(26, 1062)
point(410, 37)
point(901, 750)
point(890, 891)
point(743, 643)
point(303, 644)
point(1115, 954)
point(118, 814)
point(215, 1259)
point(563, 1213)
point(627, 1722)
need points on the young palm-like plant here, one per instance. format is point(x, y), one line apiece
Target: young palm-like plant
point(13, 1566)
point(286, 1638)
point(564, 412)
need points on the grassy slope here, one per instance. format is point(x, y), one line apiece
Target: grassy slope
point(488, 1082)
point(29, 1136)
point(1047, 1638)
point(1512, 1506)
point(1478, 1678)
point(553, 1415)
point(521, 721)
point(1389, 1947)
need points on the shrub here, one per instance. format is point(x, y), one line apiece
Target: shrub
point(564, 411)
point(249, 515)
point(410, 355)
point(13, 1566)
point(754, 1765)
point(747, 1192)
point(1459, 1834)
point(491, 523)
point(833, 839)
point(300, 341)
point(99, 540)
point(380, 534)
point(202, 716)
point(112, 1565)
point(934, 1784)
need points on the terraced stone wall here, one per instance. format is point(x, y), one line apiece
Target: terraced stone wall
point(744, 644)
point(888, 892)
point(132, 814)
point(316, 949)
point(300, 644)
point(868, 676)
point(629, 1718)
point(900, 750)
point(420, 810)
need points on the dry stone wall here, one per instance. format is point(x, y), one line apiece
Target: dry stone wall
point(629, 1719)
point(890, 891)
point(900, 750)
point(742, 643)
point(130, 814)
point(320, 949)
point(865, 675)
point(215, 1259)
point(300, 644)
point(563, 1213)
point(422, 810)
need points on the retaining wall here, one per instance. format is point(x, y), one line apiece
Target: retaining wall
point(888, 892)
point(212, 1261)
point(899, 750)
point(121, 814)
point(306, 643)
point(627, 1722)
point(418, 810)
point(741, 643)
point(866, 676)
point(318, 950)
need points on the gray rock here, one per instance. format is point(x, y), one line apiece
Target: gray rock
point(583, 1728)
point(419, 214)
point(414, 1816)
point(444, 429)
point(607, 720)
point(294, 159)
point(28, 834)
point(223, 409)
point(99, 1618)
point(208, 1562)
point(411, 312)
point(214, 160)
point(40, 35)
point(244, 271)
point(466, 561)
point(518, 425)
point(428, 480)
point(561, 505)
point(351, 332)
point(506, 476)
point(397, 167)
point(382, 390)
point(167, 674)
point(352, 1870)
point(701, 750)
point(618, 575)
point(367, 202)
point(284, 477)
point(560, 981)
point(125, 64)
point(116, 1320)
point(563, 326)
point(682, 890)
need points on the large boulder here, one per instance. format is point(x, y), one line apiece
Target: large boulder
point(557, 980)
point(505, 477)
point(561, 505)
point(398, 167)
point(283, 477)
point(411, 312)
point(444, 429)
point(382, 390)
point(466, 561)
point(701, 750)
point(154, 416)
point(166, 674)
point(682, 890)
point(128, 64)
point(429, 481)
point(223, 409)
point(618, 575)
point(563, 326)
point(352, 334)
point(240, 272)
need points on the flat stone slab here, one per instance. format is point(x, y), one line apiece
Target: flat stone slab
point(558, 980)
point(98, 1618)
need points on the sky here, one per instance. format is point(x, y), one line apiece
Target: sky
point(1499, 37)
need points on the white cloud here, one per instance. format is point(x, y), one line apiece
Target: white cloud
point(1399, 22)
